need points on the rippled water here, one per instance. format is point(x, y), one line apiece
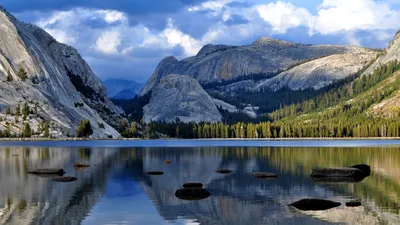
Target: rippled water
point(116, 190)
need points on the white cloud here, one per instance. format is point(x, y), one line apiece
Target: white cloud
point(283, 16)
point(215, 5)
point(343, 15)
point(112, 16)
point(108, 42)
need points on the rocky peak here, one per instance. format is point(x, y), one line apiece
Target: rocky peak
point(167, 60)
point(395, 39)
point(180, 97)
point(209, 49)
point(267, 41)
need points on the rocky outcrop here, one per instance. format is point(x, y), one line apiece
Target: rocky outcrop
point(180, 97)
point(320, 72)
point(59, 81)
point(391, 53)
point(221, 62)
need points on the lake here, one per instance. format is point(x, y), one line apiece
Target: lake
point(115, 189)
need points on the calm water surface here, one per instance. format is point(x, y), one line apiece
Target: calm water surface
point(115, 189)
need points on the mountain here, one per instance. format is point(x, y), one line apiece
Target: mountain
point(180, 97)
point(122, 89)
point(215, 63)
point(60, 85)
point(320, 72)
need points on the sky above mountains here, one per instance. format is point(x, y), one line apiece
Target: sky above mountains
point(127, 39)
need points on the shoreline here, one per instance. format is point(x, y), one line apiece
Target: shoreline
point(204, 139)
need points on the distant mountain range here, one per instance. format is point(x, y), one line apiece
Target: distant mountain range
point(122, 89)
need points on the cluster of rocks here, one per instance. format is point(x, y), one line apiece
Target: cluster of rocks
point(354, 173)
point(57, 174)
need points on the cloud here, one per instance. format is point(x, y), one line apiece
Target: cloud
point(283, 16)
point(108, 42)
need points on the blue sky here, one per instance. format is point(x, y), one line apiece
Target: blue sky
point(127, 39)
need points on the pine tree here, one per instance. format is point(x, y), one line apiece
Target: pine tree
point(25, 111)
point(46, 129)
point(22, 74)
point(84, 129)
point(18, 110)
point(36, 109)
point(27, 131)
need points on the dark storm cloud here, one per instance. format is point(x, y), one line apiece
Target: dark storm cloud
point(128, 6)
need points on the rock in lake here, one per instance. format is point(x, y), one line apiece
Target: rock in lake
point(314, 204)
point(353, 204)
point(264, 175)
point(47, 171)
point(363, 167)
point(337, 172)
point(192, 185)
point(192, 194)
point(80, 165)
point(64, 179)
point(155, 173)
point(223, 171)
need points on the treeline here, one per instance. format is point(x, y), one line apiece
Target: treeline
point(362, 127)
point(342, 91)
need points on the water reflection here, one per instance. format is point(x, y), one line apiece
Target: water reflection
point(115, 189)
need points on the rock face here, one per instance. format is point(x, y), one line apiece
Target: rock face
point(391, 53)
point(221, 62)
point(320, 72)
point(180, 97)
point(59, 81)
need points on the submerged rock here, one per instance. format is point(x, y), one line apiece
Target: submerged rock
point(353, 204)
point(314, 204)
point(80, 165)
point(192, 194)
point(223, 171)
point(64, 179)
point(192, 185)
point(155, 173)
point(264, 175)
point(47, 171)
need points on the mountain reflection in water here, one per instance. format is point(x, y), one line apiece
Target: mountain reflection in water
point(116, 190)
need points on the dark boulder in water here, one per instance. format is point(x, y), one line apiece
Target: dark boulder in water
point(314, 204)
point(64, 179)
point(337, 172)
point(192, 194)
point(264, 175)
point(47, 171)
point(192, 185)
point(80, 165)
point(353, 204)
point(155, 173)
point(223, 171)
point(363, 167)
